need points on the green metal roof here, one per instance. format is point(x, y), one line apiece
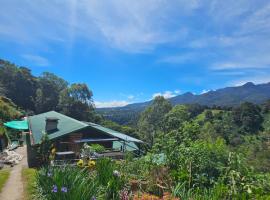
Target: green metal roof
point(114, 133)
point(130, 146)
point(19, 125)
point(67, 125)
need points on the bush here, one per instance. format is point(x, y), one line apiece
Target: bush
point(199, 164)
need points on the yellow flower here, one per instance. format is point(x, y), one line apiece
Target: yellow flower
point(53, 150)
point(91, 163)
point(80, 163)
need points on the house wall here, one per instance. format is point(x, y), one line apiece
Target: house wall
point(31, 153)
point(66, 143)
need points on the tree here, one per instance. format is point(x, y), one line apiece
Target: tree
point(19, 84)
point(266, 106)
point(121, 128)
point(47, 95)
point(8, 110)
point(208, 115)
point(175, 118)
point(2, 90)
point(248, 117)
point(151, 120)
point(76, 101)
point(195, 109)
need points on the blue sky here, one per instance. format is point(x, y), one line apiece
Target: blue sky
point(129, 51)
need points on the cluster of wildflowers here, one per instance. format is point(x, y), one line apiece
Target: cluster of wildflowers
point(55, 189)
point(90, 163)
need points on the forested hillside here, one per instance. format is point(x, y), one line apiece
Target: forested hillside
point(46, 92)
point(211, 152)
point(226, 97)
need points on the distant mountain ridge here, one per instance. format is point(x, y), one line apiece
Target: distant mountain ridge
point(229, 96)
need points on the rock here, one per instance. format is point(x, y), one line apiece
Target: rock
point(10, 157)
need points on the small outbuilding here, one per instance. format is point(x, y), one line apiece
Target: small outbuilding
point(69, 135)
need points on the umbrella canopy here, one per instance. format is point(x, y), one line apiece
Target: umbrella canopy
point(19, 125)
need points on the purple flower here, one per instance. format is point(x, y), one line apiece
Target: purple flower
point(49, 174)
point(64, 189)
point(54, 189)
point(93, 198)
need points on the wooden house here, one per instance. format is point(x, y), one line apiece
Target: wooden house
point(69, 134)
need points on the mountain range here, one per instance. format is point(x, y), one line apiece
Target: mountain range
point(229, 96)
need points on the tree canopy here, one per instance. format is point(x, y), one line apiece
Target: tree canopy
point(76, 101)
point(151, 120)
point(45, 92)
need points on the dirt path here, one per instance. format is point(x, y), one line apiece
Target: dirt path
point(13, 189)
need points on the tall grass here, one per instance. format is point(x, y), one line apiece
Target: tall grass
point(29, 183)
point(110, 178)
point(216, 193)
point(69, 183)
point(104, 167)
point(4, 174)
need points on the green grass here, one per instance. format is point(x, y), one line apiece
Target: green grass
point(29, 180)
point(4, 174)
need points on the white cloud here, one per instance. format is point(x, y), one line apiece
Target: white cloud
point(177, 91)
point(111, 104)
point(237, 31)
point(130, 97)
point(36, 60)
point(166, 94)
point(240, 62)
point(257, 79)
point(231, 73)
point(132, 26)
point(205, 91)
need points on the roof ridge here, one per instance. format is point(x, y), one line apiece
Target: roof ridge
point(40, 114)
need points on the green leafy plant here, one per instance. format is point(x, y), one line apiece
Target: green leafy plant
point(97, 148)
point(104, 167)
point(44, 150)
point(67, 183)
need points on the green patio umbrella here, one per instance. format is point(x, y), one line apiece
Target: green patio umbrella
point(19, 125)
